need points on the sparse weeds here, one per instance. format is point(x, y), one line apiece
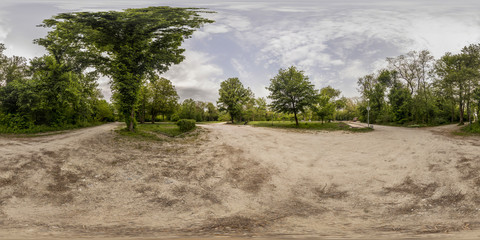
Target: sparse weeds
point(448, 200)
point(329, 192)
point(410, 187)
point(407, 209)
point(469, 169)
point(248, 175)
point(234, 224)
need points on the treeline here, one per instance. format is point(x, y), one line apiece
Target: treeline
point(46, 94)
point(293, 97)
point(158, 101)
point(418, 89)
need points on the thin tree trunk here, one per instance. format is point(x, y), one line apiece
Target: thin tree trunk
point(468, 112)
point(453, 113)
point(296, 119)
point(132, 119)
point(462, 111)
point(153, 116)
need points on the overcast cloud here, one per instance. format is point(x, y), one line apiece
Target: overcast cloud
point(334, 42)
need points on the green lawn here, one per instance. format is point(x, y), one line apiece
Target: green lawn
point(332, 126)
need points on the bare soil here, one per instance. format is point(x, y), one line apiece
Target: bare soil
point(242, 181)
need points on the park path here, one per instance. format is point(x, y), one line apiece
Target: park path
point(11, 146)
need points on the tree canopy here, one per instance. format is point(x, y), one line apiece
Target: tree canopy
point(124, 45)
point(291, 92)
point(233, 96)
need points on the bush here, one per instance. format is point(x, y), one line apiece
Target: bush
point(472, 128)
point(186, 124)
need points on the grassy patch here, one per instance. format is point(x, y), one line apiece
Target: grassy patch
point(168, 129)
point(332, 126)
point(471, 129)
point(151, 132)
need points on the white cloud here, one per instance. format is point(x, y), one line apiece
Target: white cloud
point(4, 30)
point(196, 77)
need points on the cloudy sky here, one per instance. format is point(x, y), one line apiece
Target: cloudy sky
point(334, 41)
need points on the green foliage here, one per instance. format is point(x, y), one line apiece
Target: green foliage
point(291, 92)
point(186, 125)
point(191, 109)
point(104, 111)
point(52, 98)
point(163, 97)
point(212, 113)
point(327, 104)
point(400, 102)
point(472, 128)
point(124, 45)
point(233, 98)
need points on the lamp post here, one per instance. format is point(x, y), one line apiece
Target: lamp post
point(368, 110)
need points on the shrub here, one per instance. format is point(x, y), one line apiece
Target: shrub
point(186, 124)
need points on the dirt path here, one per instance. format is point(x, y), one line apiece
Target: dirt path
point(237, 180)
point(13, 146)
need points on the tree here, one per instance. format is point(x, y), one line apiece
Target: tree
point(471, 59)
point(212, 112)
point(143, 101)
point(327, 103)
point(233, 97)
point(124, 45)
point(164, 97)
point(261, 109)
point(415, 69)
point(455, 72)
point(400, 99)
point(291, 92)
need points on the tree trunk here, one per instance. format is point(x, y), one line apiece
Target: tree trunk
point(469, 112)
point(462, 111)
point(142, 117)
point(132, 119)
point(296, 119)
point(453, 113)
point(153, 116)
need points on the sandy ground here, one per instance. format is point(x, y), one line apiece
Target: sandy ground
point(242, 181)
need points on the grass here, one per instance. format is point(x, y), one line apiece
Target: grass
point(168, 129)
point(332, 126)
point(471, 129)
point(29, 132)
point(150, 131)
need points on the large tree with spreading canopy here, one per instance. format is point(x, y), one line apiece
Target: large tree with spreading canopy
point(124, 45)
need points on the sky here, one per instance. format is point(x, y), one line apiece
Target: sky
point(334, 42)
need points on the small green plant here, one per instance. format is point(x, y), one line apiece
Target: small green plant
point(471, 129)
point(186, 125)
